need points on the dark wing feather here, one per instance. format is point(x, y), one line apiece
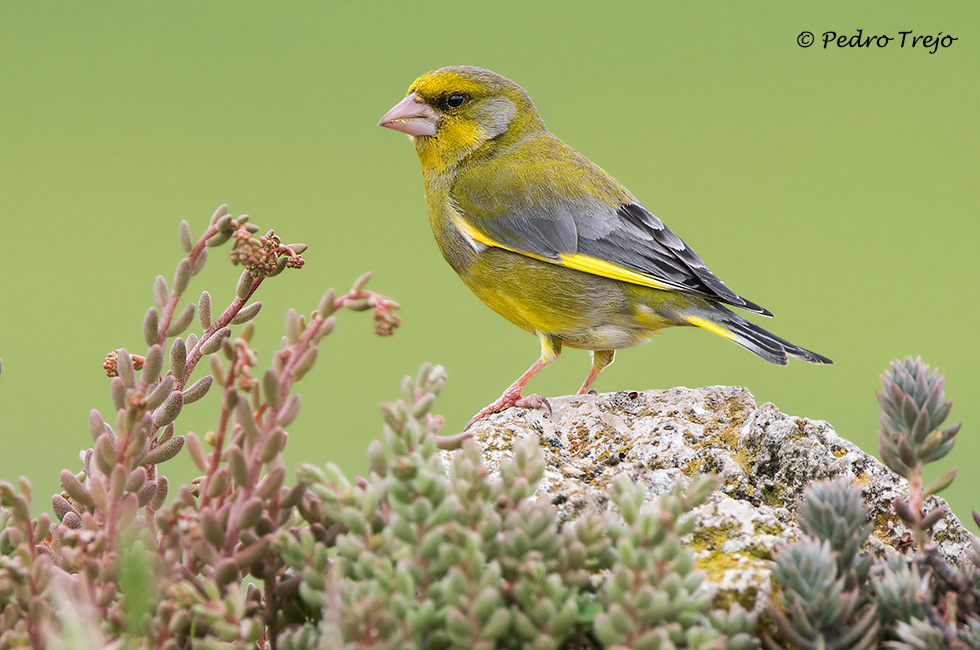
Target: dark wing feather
point(641, 242)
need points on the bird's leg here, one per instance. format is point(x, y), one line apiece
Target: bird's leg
point(550, 349)
point(512, 396)
point(600, 359)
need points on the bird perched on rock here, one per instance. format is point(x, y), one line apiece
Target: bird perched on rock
point(549, 240)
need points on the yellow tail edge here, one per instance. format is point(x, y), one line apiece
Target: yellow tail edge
point(711, 327)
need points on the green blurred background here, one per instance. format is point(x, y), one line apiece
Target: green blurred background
point(839, 188)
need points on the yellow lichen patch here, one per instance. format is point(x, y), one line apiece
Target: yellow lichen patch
point(578, 438)
point(769, 529)
point(727, 437)
point(839, 452)
point(496, 438)
point(716, 564)
point(709, 538)
point(693, 466)
point(725, 425)
point(725, 598)
point(743, 458)
point(736, 408)
point(722, 429)
point(800, 432)
point(604, 457)
point(884, 524)
point(773, 497)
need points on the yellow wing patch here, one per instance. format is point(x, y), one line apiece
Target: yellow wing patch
point(711, 327)
point(472, 233)
point(576, 261)
point(606, 269)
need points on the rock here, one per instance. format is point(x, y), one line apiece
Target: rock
point(763, 458)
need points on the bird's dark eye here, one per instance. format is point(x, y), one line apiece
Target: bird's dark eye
point(455, 100)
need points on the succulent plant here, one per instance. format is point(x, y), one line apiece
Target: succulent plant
point(916, 634)
point(914, 407)
point(651, 595)
point(897, 585)
point(821, 575)
point(831, 594)
point(120, 565)
point(833, 511)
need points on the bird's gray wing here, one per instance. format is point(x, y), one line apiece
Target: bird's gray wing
point(622, 241)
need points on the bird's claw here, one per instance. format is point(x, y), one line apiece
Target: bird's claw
point(533, 402)
point(508, 400)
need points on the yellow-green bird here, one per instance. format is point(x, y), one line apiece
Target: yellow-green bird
point(549, 240)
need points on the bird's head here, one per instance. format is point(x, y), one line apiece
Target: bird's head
point(453, 112)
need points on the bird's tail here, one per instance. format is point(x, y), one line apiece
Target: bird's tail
point(750, 336)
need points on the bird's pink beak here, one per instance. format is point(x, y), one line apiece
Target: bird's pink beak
point(411, 116)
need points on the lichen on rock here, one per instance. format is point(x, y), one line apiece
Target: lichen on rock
point(763, 458)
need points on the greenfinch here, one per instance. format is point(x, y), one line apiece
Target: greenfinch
point(549, 240)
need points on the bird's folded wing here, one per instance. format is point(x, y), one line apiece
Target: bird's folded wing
point(623, 241)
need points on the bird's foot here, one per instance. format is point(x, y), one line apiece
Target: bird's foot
point(508, 399)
